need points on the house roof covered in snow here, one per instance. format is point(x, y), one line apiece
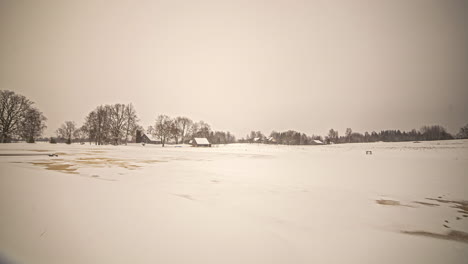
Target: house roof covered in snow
point(151, 137)
point(318, 141)
point(201, 141)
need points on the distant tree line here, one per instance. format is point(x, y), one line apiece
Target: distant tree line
point(182, 129)
point(291, 137)
point(434, 132)
point(463, 134)
point(19, 119)
point(117, 124)
point(107, 124)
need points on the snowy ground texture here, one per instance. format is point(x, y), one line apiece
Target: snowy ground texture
point(237, 203)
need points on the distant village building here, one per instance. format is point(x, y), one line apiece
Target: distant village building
point(317, 142)
point(144, 138)
point(150, 139)
point(200, 142)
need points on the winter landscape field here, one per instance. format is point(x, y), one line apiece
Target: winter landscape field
point(237, 203)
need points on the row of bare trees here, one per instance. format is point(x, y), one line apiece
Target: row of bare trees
point(107, 124)
point(19, 119)
point(289, 137)
point(182, 129)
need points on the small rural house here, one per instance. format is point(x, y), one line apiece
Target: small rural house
point(149, 139)
point(317, 142)
point(200, 142)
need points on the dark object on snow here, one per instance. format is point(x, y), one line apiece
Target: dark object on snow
point(368, 152)
point(53, 155)
point(446, 226)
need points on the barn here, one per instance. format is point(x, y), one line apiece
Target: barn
point(317, 142)
point(200, 142)
point(149, 139)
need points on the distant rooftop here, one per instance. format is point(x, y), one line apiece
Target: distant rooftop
point(201, 141)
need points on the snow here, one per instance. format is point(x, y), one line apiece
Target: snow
point(237, 203)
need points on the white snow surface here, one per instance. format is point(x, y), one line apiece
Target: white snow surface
point(238, 203)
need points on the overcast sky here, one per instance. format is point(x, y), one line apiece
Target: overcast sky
point(243, 65)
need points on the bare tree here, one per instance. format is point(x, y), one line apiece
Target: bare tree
point(463, 132)
point(200, 129)
point(97, 125)
point(102, 124)
point(162, 128)
point(184, 124)
point(333, 136)
point(89, 127)
point(117, 122)
point(348, 134)
point(131, 121)
point(80, 134)
point(66, 131)
point(12, 109)
point(32, 124)
point(175, 131)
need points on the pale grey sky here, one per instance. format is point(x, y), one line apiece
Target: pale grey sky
point(243, 65)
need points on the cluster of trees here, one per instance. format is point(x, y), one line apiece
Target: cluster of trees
point(292, 137)
point(19, 119)
point(289, 137)
point(463, 132)
point(182, 129)
point(107, 124)
point(435, 132)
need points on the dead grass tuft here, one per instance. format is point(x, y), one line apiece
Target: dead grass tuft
point(461, 205)
point(388, 202)
point(427, 204)
point(453, 235)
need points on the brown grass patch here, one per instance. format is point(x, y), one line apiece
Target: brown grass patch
point(72, 165)
point(152, 161)
point(388, 202)
point(462, 205)
point(427, 204)
point(67, 168)
point(101, 162)
point(453, 235)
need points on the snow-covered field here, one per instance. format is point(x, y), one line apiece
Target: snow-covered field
point(237, 203)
